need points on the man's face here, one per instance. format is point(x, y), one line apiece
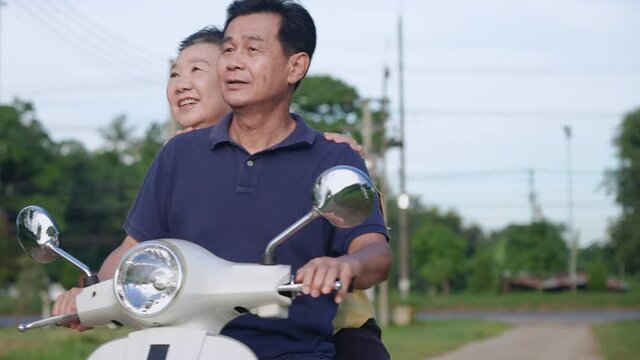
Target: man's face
point(193, 90)
point(253, 68)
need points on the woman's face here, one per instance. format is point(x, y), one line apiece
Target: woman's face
point(193, 90)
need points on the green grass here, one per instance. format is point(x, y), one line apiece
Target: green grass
point(430, 338)
point(618, 340)
point(527, 301)
point(52, 343)
point(413, 342)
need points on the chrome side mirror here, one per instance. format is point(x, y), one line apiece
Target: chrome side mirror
point(39, 237)
point(38, 234)
point(342, 194)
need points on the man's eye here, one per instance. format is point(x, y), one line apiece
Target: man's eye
point(227, 50)
point(173, 75)
point(195, 68)
point(252, 49)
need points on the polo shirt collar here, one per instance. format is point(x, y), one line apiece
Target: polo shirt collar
point(301, 135)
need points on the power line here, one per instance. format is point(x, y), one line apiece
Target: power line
point(84, 37)
point(474, 174)
point(114, 39)
point(82, 44)
point(583, 116)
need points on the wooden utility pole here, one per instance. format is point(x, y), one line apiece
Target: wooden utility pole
point(383, 288)
point(2, 3)
point(403, 198)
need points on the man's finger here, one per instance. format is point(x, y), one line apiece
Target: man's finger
point(318, 281)
point(330, 280)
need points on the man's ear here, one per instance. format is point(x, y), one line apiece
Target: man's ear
point(298, 66)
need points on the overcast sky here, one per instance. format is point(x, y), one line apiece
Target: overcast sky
point(489, 86)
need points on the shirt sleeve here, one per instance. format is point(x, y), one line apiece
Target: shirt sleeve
point(373, 224)
point(147, 218)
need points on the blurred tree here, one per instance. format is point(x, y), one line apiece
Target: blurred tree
point(482, 276)
point(625, 182)
point(105, 186)
point(472, 236)
point(327, 104)
point(87, 193)
point(597, 280)
point(438, 253)
point(28, 175)
point(331, 105)
point(537, 249)
point(32, 281)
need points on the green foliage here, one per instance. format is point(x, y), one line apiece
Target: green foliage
point(438, 253)
point(625, 182)
point(28, 175)
point(88, 193)
point(32, 282)
point(466, 241)
point(482, 277)
point(618, 340)
point(537, 249)
point(597, 277)
point(328, 104)
point(524, 301)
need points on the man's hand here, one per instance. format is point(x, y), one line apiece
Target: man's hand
point(367, 264)
point(345, 139)
point(66, 304)
point(319, 275)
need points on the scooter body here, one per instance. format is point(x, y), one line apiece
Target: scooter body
point(179, 295)
point(173, 343)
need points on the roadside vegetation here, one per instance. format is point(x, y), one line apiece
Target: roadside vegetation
point(618, 340)
point(408, 343)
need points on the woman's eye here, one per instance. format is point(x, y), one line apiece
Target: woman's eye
point(173, 75)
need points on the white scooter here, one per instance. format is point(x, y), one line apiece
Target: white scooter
point(180, 294)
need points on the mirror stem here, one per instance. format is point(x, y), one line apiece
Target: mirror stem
point(65, 255)
point(269, 256)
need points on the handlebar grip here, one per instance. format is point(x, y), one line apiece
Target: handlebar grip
point(54, 320)
point(295, 289)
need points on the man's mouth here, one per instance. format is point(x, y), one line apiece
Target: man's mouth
point(236, 82)
point(187, 101)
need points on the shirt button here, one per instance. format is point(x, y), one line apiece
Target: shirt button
point(249, 163)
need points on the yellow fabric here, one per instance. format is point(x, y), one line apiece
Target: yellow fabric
point(354, 311)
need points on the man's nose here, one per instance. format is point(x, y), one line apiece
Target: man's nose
point(235, 61)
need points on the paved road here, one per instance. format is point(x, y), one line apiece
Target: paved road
point(542, 340)
point(535, 335)
point(584, 317)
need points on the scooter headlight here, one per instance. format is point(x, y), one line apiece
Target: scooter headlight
point(148, 278)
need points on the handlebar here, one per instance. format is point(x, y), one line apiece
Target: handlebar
point(54, 320)
point(294, 289)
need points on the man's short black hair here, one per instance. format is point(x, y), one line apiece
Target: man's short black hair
point(208, 34)
point(297, 30)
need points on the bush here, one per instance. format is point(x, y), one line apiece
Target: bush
point(481, 277)
point(597, 277)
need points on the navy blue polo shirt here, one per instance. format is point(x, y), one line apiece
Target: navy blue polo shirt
point(205, 188)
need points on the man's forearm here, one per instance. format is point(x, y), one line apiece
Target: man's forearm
point(109, 265)
point(374, 263)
